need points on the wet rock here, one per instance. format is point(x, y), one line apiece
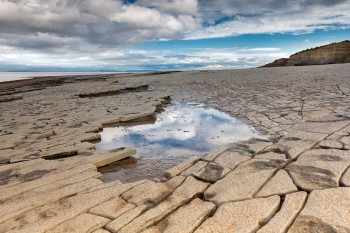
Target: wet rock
point(34, 175)
point(82, 223)
point(279, 184)
point(243, 216)
point(281, 221)
point(211, 172)
point(325, 211)
point(319, 169)
point(186, 191)
point(7, 175)
point(186, 219)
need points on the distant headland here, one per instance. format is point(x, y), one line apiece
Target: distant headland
point(334, 53)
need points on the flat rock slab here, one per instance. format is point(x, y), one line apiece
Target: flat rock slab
point(181, 167)
point(231, 158)
point(58, 119)
point(112, 208)
point(321, 127)
point(43, 218)
point(281, 221)
point(127, 217)
point(81, 223)
point(279, 184)
point(212, 172)
point(319, 169)
point(195, 168)
point(244, 181)
point(243, 216)
point(325, 211)
point(152, 192)
point(345, 179)
point(189, 189)
point(186, 219)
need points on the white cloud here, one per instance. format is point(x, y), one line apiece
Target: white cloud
point(127, 59)
point(280, 21)
point(99, 32)
point(180, 7)
point(212, 67)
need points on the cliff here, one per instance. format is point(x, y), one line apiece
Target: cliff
point(328, 54)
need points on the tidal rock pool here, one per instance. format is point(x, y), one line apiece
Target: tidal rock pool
point(179, 131)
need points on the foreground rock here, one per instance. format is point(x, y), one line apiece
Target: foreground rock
point(244, 216)
point(325, 211)
point(49, 180)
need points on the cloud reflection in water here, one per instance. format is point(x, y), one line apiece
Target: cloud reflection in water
point(182, 129)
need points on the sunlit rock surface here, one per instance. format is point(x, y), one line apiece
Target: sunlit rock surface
point(297, 180)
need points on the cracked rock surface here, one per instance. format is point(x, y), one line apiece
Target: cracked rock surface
point(298, 180)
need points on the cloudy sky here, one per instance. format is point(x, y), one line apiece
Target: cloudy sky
point(115, 35)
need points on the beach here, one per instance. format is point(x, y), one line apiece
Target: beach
point(296, 178)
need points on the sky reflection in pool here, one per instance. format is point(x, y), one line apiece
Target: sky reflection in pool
point(182, 129)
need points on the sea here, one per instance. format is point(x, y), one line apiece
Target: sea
point(11, 76)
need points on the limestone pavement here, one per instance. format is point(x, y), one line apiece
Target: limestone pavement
point(297, 180)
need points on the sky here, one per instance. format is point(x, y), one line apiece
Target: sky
point(150, 35)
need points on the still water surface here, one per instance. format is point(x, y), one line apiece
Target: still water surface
point(12, 76)
point(181, 130)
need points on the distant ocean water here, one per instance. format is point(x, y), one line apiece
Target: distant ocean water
point(11, 76)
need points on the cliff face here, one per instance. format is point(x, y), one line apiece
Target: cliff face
point(328, 54)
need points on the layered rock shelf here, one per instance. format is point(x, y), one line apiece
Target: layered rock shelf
point(297, 180)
